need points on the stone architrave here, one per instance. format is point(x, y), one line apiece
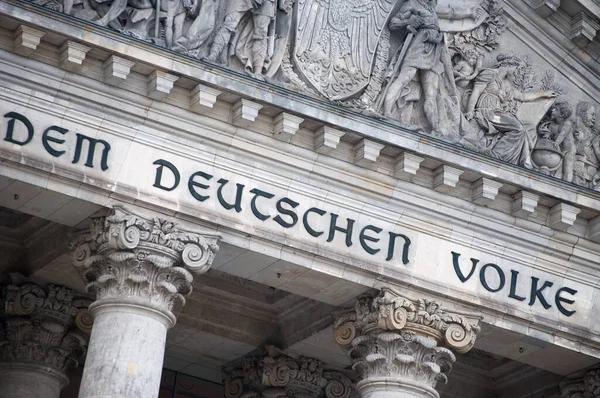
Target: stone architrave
point(43, 332)
point(403, 347)
point(279, 375)
point(587, 386)
point(140, 271)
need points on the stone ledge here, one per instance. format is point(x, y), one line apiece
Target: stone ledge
point(382, 131)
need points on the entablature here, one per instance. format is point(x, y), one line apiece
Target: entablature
point(203, 115)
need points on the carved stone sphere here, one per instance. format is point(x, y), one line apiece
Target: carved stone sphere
point(545, 155)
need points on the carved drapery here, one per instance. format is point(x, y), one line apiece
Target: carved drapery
point(129, 259)
point(479, 99)
point(44, 327)
point(587, 386)
point(279, 375)
point(395, 337)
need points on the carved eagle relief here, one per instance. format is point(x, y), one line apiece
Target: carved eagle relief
point(336, 41)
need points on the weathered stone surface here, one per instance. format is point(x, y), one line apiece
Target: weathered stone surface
point(279, 375)
point(397, 344)
point(587, 386)
point(43, 332)
point(504, 126)
point(140, 271)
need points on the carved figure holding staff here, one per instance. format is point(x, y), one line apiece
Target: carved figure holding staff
point(252, 49)
point(424, 57)
point(422, 54)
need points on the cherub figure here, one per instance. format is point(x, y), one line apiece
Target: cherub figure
point(467, 68)
point(557, 127)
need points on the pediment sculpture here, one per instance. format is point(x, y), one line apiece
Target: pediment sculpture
point(435, 66)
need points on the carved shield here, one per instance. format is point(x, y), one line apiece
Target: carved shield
point(335, 43)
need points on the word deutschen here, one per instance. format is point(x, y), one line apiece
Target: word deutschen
point(263, 202)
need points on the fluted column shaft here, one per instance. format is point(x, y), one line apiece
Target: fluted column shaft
point(43, 332)
point(401, 347)
point(140, 271)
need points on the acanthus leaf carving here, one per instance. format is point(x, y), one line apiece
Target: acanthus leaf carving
point(395, 336)
point(125, 256)
point(587, 386)
point(47, 326)
point(279, 375)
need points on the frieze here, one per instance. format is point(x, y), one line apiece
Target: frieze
point(20, 131)
point(287, 217)
point(433, 66)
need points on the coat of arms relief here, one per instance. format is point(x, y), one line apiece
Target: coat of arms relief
point(435, 66)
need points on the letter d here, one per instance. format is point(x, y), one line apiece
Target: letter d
point(159, 172)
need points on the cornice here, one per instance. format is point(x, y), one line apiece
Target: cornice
point(386, 132)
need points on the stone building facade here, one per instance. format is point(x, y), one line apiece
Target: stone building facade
point(299, 198)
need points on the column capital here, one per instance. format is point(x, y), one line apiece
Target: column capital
point(397, 343)
point(145, 264)
point(586, 386)
point(392, 311)
point(42, 328)
point(277, 374)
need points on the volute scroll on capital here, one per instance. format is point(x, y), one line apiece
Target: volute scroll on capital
point(587, 386)
point(44, 326)
point(128, 257)
point(280, 375)
point(394, 312)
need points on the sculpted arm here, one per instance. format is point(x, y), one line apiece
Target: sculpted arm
point(477, 69)
point(564, 131)
point(532, 96)
point(285, 5)
point(404, 16)
point(458, 12)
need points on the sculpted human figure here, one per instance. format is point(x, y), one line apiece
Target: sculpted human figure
point(255, 47)
point(173, 13)
point(494, 103)
point(556, 127)
point(467, 68)
point(423, 56)
point(110, 10)
point(587, 144)
point(426, 54)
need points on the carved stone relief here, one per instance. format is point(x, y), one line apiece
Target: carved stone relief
point(47, 327)
point(397, 343)
point(587, 386)
point(436, 66)
point(279, 375)
point(129, 259)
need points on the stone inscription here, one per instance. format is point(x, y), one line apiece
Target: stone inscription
point(20, 131)
point(262, 202)
point(493, 279)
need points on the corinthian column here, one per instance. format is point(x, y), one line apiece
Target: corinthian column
point(587, 386)
point(43, 332)
point(277, 375)
point(140, 271)
point(401, 347)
